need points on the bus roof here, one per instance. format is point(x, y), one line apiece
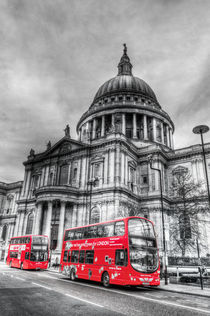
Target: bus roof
point(111, 221)
point(29, 235)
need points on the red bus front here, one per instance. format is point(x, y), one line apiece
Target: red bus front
point(117, 252)
point(28, 252)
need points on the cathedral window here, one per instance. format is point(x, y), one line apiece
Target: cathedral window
point(30, 224)
point(95, 215)
point(64, 174)
point(36, 181)
point(153, 182)
point(144, 179)
point(75, 174)
point(50, 179)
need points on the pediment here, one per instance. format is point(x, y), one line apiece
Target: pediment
point(65, 145)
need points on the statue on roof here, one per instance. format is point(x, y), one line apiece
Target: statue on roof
point(49, 145)
point(125, 48)
point(32, 153)
point(67, 130)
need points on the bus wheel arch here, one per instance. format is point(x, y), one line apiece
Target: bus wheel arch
point(105, 279)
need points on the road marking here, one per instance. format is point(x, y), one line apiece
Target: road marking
point(139, 297)
point(47, 276)
point(20, 278)
point(80, 299)
point(42, 286)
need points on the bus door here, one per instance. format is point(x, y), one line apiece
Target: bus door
point(121, 263)
point(86, 260)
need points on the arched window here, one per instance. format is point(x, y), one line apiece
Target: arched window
point(64, 174)
point(30, 221)
point(4, 232)
point(75, 174)
point(185, 227)
point(95, 215)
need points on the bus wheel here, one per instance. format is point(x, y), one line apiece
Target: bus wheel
point(105, 279)
point(72, 275)
point(21, 266)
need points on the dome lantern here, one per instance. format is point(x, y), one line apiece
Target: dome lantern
point(124, 66)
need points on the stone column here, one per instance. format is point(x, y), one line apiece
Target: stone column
point(112, 119)
point(103, 126)
point(154, 129)
point(38, 219)
point(117, 166)
point(20, 226)
point(24, 184)
point(17, 224)
point(170, 137)
point(28, 183)
point(94, 129)
point(123, 124)
point(145, 128)
point(48, 220)
point(122, 168)
point(61, 225)
point(46, 175)
point(134, 125)
point(167, 136)
point(74, 215)
point(162, 134)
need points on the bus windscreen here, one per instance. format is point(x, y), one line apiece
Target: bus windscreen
point(142, 245)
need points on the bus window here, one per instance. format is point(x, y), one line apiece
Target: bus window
point(27, 240)
point(69, 258)
point(78, 234)
point(82, 256)
point(65, 256)
point(92, 232)
point(100, 231)
point(121, 257)
point(109, 230)
point(75, 256)
point(119, 228)
point(89, 256)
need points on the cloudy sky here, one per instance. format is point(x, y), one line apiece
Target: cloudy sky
point(54, 55)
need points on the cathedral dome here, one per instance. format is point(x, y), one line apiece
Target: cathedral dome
point(125, 83)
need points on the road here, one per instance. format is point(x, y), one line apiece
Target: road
point(49, 293)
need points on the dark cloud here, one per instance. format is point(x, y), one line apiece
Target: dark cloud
point(54, 55)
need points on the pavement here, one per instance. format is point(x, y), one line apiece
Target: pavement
point(172, 287)
point(186, 289)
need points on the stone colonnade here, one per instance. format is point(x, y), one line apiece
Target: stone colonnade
point(160, 131)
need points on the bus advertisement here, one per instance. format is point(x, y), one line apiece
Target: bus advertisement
point(28, 252)
point(122, 251)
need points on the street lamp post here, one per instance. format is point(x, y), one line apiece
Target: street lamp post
point(163, 221)
point(202, 129)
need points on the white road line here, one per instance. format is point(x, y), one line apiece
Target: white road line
point(47, 276)
point(80, 299)
point(20, 279)
point(42, 286)
point(139, 297)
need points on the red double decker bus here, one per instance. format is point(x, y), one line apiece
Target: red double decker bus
point(28, 252)
point(122, 251)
